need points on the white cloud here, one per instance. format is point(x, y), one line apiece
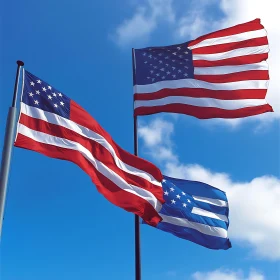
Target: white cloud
point(227, 275)
point(143, 22)
point(157, 139)
point(254, 205)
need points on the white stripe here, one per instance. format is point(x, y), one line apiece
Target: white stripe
point(232, 53)
point(218, 70)
point(193, 83)
point(217, 202)
point(205, 229)
point(101, 167)
point(81, 130)
point(201, 102)
point(205, 213)
point(230, 39)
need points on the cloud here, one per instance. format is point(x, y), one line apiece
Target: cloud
point(143, 22)
point(254, 205)
point(227, 275)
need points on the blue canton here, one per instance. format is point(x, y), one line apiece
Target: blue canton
point(39, 94)
point(176, 201)
point(156, 64)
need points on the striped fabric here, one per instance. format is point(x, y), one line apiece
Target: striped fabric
point(54, 125)
point(223, 74)
point(196, 212)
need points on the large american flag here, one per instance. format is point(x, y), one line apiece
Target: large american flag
point(54, 125)
point(223, 74)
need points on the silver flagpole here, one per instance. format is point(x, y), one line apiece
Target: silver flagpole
point(7, 148)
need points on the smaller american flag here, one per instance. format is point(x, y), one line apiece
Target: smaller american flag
point(223, 74)
point(196, 212)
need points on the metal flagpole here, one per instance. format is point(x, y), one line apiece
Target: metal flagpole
point(7, 148)
point(137, 221)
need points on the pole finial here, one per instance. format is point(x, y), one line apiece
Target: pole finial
point(20, 63)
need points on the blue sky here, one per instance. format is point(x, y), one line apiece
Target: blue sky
point(57, 226)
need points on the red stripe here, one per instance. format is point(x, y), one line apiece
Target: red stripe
point(200, 92)
point(231, 46)
point(111, 191)
point(240, 28)
point(204, 112)
point(80, 116)
point(234, 77)
point(96, 149)
point(239, 60)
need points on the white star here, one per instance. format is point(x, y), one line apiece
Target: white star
point(38, 92)
point(163, 180)
point(155, 58)
point(49, 87)
point(160, 54)
point(173, 68)
point(31, 94)
point(152, 71)
point(44, 89)
point(174, 76)
point(148, 78)
point(178, 48)
point(173, 201)
point(146, 62)
point(160, 61)
point(166, 193)
point(180, 56)
point(49, 97)
point(183, 193)
point(168, 72)
point(166, 57)
point(61, 103)
point(179, 71)
point(155, 67)
point(157, 74)
point(32, 84)
point(178, 196)
point(174, 53)
point(162, 69)
point(39, 81)
point(36, 102)
point(55, 105)
point(186, 59)
point(189, 201)
point(186, 52)
point(186, 67)
point(54, 94)
point(60, 94)
point(150, 56)
point(173, 60)
point(172, 189)
point(167, 64)
point(163, 77)
point(153, 79)
point(144, 54)
point(186, 75)
point(184, 205)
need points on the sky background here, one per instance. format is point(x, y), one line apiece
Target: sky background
point(57, 226)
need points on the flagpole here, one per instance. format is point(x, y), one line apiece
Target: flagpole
point(7, 148)
point(137, 221)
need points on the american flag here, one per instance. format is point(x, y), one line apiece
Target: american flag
point(54, 125)
point(196, 212)
point(223, 74)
